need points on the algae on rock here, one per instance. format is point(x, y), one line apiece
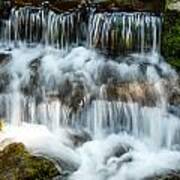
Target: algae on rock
point(16, 163)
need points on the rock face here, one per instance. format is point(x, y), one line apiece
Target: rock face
point(143, 93)
point(16, 163)
point(5, 7)
point(130, 5)
point(126, 5)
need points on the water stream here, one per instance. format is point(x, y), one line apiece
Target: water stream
point(105, 117)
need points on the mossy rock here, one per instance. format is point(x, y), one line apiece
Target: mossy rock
point(16, 163)
point(173, 5)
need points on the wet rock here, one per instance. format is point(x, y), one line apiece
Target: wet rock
point(31, 87)
point(4, 58)
point(65, 89)
point(129, 5)
point(175, 110)
point(55, 5)
point(5, 8)
point(173, 175)
point(18, 164)
point(142, 93)
point(174, 98)
point(79, 138)
point(71, 94)
point(5, 79)
point(174, 93)
point(118, 151)
point(77, 98)
point(4, 76)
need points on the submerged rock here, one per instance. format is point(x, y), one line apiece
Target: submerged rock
point(79, 138)
point(4, 58)
point(16, 163)
point(117, 153)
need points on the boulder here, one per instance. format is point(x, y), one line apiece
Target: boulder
point(16, 163)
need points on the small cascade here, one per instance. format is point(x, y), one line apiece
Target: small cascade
point(100, 117)
point(115, 32)
point(83, 90)
point(39, 25)
point(125, 32)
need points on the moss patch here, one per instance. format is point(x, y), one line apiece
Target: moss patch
point(16, 163)
point(171, 38)
point(175, 63)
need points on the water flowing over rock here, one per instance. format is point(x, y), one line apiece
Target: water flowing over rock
point(126, 32)
point(90, 90)
point(111, 32)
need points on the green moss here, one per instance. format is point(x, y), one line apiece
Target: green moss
point(16, 163)
point(174, 63)
point(171, 38)
point(1, 4)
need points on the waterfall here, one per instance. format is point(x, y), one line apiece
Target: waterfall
point(63, 97)
point(118, 31)
point(32, 25)
point(125, 31)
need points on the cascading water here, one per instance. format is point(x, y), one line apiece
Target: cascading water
point(123, 32)
point(108, 118)
point(131, 32)
point(32, 25)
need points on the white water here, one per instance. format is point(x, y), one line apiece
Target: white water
point(151, 132)
point(130, 136)
point(116, 32)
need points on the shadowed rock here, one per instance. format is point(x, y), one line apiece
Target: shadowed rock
point(173, 175)
point(118, 151)
point(4, 58)
point(79, 138)
point(127, 5)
